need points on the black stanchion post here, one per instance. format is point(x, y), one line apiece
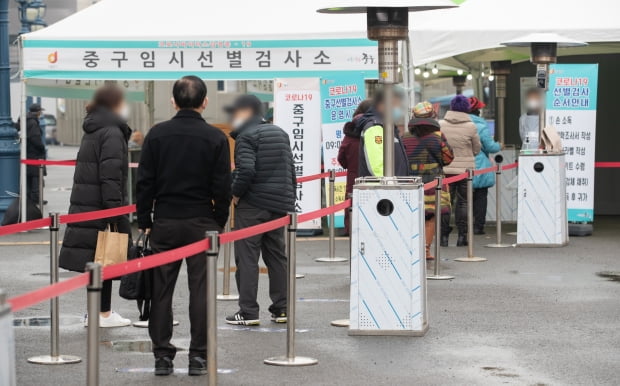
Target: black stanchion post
point(226, 281)
point(290, 359)
point(93, 307)
point(332, 226)
point(436, 272)
point(54, 358)
point(498, 210)
point(470, 222)
point(212, 252)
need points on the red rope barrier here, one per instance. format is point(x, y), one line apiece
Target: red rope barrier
point(152, 261)
point(510, 166)
point(323, 212)
point(38, 162)
point(240, 234)
point(29, 299)
point(485, 171)
point(312, 177)
point(430, 185)
point(607, 165)
point(25, 226)
point(96, 214)
point(458, 177)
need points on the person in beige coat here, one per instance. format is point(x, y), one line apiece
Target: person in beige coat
point(462, 136)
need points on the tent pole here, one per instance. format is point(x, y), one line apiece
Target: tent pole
point(23, 138)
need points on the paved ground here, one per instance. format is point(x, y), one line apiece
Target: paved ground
point(524, 317)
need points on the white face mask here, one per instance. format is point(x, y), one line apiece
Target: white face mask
point(124, 112)
point(237, 123)
point(533, 104)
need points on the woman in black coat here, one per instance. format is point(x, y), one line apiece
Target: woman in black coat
point(99, 182)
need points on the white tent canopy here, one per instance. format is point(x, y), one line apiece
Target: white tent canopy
point(474, 31)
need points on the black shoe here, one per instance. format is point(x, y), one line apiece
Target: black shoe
point(462, 240)
point(444, 240)
point(279, 317)
point(240, 320)
point(479, 231)
point(197, 366)
point(163, 366)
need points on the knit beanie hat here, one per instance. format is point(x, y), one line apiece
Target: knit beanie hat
point(424, 110)
point(460, 103)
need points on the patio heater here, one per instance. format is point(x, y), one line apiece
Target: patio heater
point(542, 218)
point(459, 81)
point(501, 70)
point(388, 270)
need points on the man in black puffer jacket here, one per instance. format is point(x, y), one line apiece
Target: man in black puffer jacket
point(263, 190)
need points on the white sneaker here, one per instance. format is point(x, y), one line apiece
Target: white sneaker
point(114, 320)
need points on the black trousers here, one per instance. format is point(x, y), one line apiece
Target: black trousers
point(247, 253)
point(458, 195)
point(106, 296)
point(170, 234)
point(480, 207)
point(32, 187)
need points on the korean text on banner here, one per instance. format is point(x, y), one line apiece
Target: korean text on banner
point(297, 110)
point(340, 97)
point(571, 108)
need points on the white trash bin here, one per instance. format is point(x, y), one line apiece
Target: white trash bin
point(542, 218)
point(388, 262)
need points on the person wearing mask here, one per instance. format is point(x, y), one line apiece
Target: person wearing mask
point(483, 182)
point(35, 150)
point(349, 153)
point(529, 122)
point(99, 182)
point(263, 189)
point(183, 191)
point(428, 153)
point(371, 139)
point(462, 135)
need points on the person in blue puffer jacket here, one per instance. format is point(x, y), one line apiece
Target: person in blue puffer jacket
point(482, 182)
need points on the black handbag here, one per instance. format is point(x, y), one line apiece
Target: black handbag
point(138, 285)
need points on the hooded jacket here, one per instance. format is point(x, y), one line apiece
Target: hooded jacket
point(99, 182)
point(349, 152)
point(489, 146)
point(264, 174)
point(462, 136)
point(35, 148)
point(371, 147)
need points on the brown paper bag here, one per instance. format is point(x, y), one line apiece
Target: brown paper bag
point(111, 247)
point(551, 140)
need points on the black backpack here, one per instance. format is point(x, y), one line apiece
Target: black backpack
point(138, 285)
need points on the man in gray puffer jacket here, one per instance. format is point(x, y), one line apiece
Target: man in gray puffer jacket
point(263, 190)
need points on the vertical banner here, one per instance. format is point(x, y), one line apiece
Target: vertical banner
point(571, 108)
point(297, 110)
point(339, 99)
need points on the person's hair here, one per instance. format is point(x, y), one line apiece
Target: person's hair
point(475, 112)
point(422, 130)
point(109, 97)
point(189, 92)
point(460, 103)
point(364, 106)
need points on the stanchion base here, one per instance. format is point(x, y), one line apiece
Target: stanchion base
point(50, 360)
point(299, 275)
point(228, 297)
point(473, 259)
point(145, 323)
point(341, 323)
point(331, 259)
point(439, 277)
point(499, 245)
point(295, 361)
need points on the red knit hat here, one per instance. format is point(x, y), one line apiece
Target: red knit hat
point(476, 104)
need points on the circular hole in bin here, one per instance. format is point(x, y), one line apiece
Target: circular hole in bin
point(539, 167)
point(385, 207)
point(499, 158)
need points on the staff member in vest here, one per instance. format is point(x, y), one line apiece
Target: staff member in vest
point(184, 180)
point(371, 144)
point(263, 190)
